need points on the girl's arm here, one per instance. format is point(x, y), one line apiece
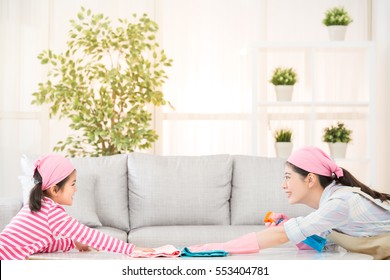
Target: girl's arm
point(62, 224)
point(61, 244)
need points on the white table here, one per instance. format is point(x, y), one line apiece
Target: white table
point(279, 253)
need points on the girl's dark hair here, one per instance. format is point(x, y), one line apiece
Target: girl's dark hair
point(36, 194)
point(347, 180)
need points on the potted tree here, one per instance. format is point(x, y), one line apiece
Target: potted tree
point(283, 144)
point(104, 83)
point(284, 79)
point(337, 138)
point(337, 19)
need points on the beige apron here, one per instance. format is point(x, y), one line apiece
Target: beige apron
point(376, 246)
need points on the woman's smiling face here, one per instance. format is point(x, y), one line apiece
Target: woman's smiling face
point(295, 186)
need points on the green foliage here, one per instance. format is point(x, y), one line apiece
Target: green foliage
point(283, 135)
point(104, 82)
point(336, 16)
point(284, 76)
point(337, 133)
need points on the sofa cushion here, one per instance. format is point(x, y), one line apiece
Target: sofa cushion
point(9, 208)
point(257, 189)
point(179, 190)
point(84, 207)
point(26, 179)
point(111, 197)
point(114, 232)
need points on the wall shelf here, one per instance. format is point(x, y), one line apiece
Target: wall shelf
point(325, 93)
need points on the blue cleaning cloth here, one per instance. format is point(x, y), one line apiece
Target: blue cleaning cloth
point(185, 252)
point(316, 242)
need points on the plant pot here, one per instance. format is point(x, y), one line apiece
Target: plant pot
point(337, 32)
point(284, 93)
point(283, 149)
point(338, 150)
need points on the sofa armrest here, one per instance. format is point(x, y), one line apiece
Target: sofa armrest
point(9, 207)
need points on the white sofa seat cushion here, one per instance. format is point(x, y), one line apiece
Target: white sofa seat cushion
point(257, 189)
point(114, 232)
point(179, 190)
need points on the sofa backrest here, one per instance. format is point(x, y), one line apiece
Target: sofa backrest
point(108, 176)
point(136, 190)
point(257, 189)
point(179, 190)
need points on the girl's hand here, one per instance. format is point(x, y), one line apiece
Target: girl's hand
point(141, 249)
point(82, 247)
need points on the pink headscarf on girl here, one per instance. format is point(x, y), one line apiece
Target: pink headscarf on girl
point(316, 161)
point(53, 169)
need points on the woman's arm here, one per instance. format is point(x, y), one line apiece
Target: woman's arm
point(271, 237)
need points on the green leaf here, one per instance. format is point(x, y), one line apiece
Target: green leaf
point(80, 16)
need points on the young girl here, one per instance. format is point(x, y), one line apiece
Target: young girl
point(348, 212)
point(44, 226)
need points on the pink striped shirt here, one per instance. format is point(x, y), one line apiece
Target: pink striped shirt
point(50, 230)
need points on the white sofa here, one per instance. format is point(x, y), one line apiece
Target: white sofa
point(153, 200)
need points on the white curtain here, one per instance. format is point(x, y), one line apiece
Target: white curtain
point(23, 29)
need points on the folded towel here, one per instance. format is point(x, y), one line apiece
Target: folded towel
point(185, 252)
point(246, 244)
point(167, 251)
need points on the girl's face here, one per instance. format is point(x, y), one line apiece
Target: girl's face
point(65, 194)
point(295, 186)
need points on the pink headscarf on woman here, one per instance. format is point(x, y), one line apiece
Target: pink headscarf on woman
point(53, 169)
point(316, 161)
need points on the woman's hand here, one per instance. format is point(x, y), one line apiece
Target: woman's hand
point(82, 247)
point(275, 219)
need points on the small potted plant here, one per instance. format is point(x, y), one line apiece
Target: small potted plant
point(284, 79)
point(283, 144)
point(337, 138)
point(337, 20)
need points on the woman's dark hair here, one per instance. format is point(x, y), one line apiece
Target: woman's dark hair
point(36, 194)
point(347, 180)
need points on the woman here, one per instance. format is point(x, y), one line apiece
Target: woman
point(348, 212)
